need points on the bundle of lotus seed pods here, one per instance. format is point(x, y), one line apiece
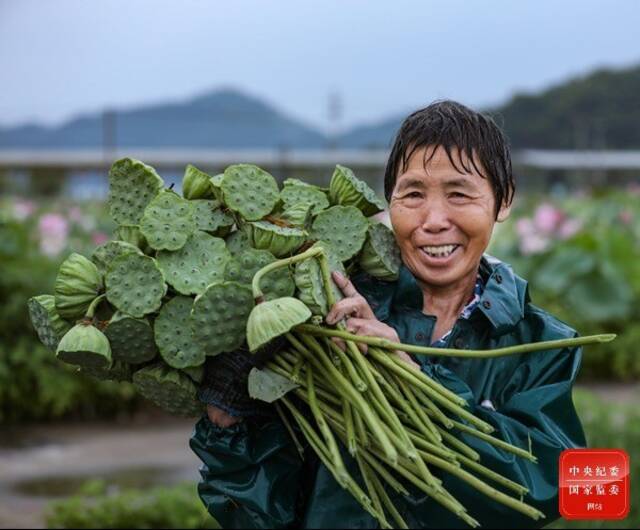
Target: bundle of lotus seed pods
point(235, 260)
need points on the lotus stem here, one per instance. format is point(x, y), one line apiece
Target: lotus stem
point(94, 305)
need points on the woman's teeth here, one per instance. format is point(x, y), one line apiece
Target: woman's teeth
point(441, 251)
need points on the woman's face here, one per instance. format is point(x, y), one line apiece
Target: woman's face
point(442, 219)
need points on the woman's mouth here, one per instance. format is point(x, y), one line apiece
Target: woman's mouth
point(439, 254)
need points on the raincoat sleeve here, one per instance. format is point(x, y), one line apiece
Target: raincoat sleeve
point(249, 471)
point(537, 403)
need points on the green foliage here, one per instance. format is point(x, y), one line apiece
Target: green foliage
point(606, 429)
point(175, 507)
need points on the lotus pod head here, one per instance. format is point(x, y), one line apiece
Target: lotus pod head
point(237, 242)
point(78, 283)
point(85, 345)
point(200, 262)
point(210, 217)
point(135, 285)
point(296, 191)
point(195, 373)
point(380, 255)
point(219, 317)
point(46, 321)
point(168, 221)
point(131, 234)
point(173, 334)
point(343, 227)
point(269, 320)
point(243, 267)
point(169, 389)
point(250, 191)
point(132, 186)
point(299, 215)
point(216, 186)
point(281, 241)
point(348, 190)
point(104, 254)
point(119, 371)
point(131, 339)
point(310, 283)
point(196, 184)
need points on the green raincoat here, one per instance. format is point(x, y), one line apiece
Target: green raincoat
point(253, 477)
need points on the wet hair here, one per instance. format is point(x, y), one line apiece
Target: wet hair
point(457, 129)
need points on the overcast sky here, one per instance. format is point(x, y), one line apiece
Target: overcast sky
point(62, 58)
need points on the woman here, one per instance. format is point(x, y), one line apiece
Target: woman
point(448, 181)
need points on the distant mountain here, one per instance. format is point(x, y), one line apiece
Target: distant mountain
point(375, 136)
point(222, 119)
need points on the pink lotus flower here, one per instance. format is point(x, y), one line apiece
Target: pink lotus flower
point(533, 244)
point(524, 227)
point(99, 238)
point(547, 218)
point(569, 228)
point(22, 209)
point(53, 230)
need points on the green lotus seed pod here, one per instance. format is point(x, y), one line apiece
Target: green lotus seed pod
point(269, 320)
point(46, 321)
point(104, 254)
point(131, 234)
point(168, 221)
point(135, 285)
point(196, 184)
point(310, 283)
point(250, 191)
point(237, 242)
point(131, 339)
point(281, 241)
point(219, 317)
point(195, 373)
point(243, 267)
point(299, 215)
point(173, 334)
point(200, 262)
point(119, 371)
point(216, 186)
point(348, 190)
point(169, 389)
point(85, 345)
point(380, 255)
point(78, 283)
point(132, 186)
point(296, 192)
point(343, 227)
point(210, 217)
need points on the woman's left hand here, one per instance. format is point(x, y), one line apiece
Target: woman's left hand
point(360, 319)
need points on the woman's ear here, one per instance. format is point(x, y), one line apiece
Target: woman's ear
point(504, 212)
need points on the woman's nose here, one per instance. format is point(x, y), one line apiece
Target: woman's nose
point(435, 218)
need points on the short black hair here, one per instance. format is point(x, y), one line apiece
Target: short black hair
point(455, 127)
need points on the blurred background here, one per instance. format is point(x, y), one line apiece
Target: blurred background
point(296, 87)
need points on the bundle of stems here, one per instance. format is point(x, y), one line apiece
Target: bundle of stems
point(398, 423)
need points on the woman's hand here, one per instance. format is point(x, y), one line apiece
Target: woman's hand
point(360, 319)
point(221, 418)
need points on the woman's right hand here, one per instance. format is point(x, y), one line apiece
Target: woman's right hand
point(221, 418)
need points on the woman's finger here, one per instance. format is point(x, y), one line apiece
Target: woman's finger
point(344, 283)
point(345, 308)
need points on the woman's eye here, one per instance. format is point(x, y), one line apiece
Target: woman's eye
point(413, 195)
point(458, 195)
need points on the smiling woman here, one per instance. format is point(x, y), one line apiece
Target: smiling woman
point(448, 181)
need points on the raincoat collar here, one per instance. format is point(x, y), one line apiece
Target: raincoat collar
point(502, 302)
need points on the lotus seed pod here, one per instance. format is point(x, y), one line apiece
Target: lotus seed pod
point(269, 320)
point(169, 389)
point(219, 317)
point(380, 255)
point(118, 371)
point(77, 285)
point(135, 285)
point(296, 192)
point(216, 187)
point(104, 254)
point(348, 190)
point(237, 242)
point(196, 184)
point(298, 215)
point(195, 373)
point(132, 186)
point(310, 283)
point(46, 321)
point(281, 241)
point(131, 339)
point(200, 262)
point(210, 217)
point(343, 227)
point(168, 221)
point(173, 334)
point(131, 234)
point(85, 345)
point(250, 191)
point(243, 267)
